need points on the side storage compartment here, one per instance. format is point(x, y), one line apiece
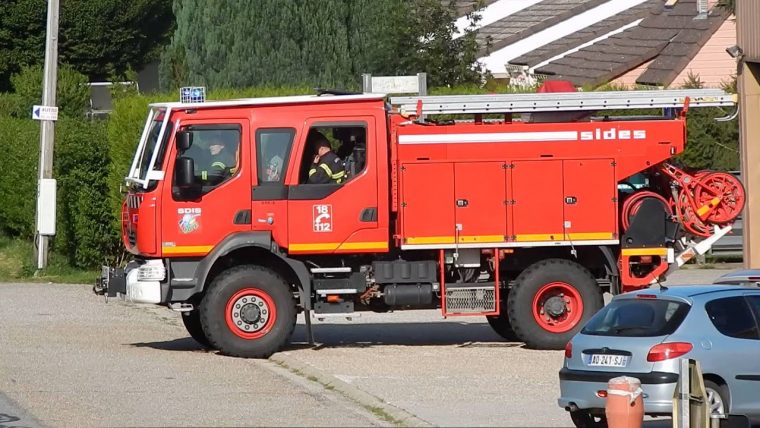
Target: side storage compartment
point(481, 202)
point(427, 203)
point(536, 192)
point(590, 192)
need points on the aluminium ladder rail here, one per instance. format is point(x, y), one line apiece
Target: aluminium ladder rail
point(563, 101)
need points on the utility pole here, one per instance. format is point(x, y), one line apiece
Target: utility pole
point(47, 138)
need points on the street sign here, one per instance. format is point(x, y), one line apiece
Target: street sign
point(44, 113)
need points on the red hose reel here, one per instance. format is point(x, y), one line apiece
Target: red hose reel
point(699, 201)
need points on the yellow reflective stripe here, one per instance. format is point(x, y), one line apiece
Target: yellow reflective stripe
point(450, 239)
point(645, 251)
point(591, 236)
point(312, 172)
point(363, 246)
point(329, 246)
point(564, 237)
point(326, 168)
point(219, 165)
point(187, 249)
point(482, 238)
point(204, 175)
point(540, 237)
point(430, 240)
point(339, 175)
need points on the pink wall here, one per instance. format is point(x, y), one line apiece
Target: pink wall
point(712, 63)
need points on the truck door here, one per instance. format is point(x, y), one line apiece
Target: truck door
point(341, 216)
point(192, 223)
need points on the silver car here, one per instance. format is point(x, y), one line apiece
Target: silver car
point(644, 333)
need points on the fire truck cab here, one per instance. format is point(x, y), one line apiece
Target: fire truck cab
point(523, 222)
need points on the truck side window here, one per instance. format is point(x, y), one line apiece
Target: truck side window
point(348, 141)
point(272, 152)
point(215, 151)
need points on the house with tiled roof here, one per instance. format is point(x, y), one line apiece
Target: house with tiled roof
point(593, 42)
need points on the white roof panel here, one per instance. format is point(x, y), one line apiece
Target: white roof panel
point(298, 99)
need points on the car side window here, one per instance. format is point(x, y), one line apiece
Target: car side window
point(272, 153)
point(733, 317)
point(754, 302)
point(348, 145)
point(215, 152)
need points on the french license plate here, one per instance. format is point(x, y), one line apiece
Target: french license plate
point(607, 360)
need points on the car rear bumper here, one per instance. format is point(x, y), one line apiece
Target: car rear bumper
point(578, 389)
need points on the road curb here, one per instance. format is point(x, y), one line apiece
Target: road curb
point(377, 406)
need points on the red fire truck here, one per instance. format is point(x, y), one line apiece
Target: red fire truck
point(523, 209)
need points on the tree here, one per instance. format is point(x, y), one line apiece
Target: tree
point(327, 43)
point(98, 38)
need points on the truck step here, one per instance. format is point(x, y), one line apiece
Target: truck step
point(349, 316)
point(470, 298)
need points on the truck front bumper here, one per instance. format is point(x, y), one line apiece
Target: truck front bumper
point(139, 282)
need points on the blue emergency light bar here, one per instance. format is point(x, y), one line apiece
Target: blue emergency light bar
point(192, 94)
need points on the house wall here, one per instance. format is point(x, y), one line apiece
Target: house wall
point(712, 64)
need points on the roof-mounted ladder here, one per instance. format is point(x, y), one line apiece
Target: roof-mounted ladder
point(562, 101)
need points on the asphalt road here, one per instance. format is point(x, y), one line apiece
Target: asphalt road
point(69, 359)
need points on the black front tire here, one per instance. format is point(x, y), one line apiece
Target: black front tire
point(584, 419)
point(536, 278)
point(192, 322)
point(239, 287)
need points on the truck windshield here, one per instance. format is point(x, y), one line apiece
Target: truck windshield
point(150, 153)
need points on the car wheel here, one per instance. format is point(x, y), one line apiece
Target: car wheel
point(584, 419)
point(550, 301)
point(717, 398)
point(248, 311)
point(192, 322)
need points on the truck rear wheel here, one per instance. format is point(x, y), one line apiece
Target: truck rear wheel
point(192, 322)
point(550, 301)
point(248, 311)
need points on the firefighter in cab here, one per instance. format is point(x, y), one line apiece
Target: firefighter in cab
point(221, 162)
point(327, 167)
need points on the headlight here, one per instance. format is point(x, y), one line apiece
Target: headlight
point(152, 270)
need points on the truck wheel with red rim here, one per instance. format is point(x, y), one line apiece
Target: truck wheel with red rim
point(192, 322)
point(248, 311)
point(550, 302)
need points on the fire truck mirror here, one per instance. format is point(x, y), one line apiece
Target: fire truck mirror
point(184, 177)
point(184, 141)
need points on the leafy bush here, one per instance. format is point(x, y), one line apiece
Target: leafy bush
point(72, 92)
point(85, 215)
point(19, 145)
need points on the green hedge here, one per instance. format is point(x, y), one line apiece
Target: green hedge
point(19, 148)
point(85, 217)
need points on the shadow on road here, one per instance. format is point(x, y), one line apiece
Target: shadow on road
point(408, 334)
point(184, 344)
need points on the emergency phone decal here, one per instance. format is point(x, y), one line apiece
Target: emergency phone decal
point(323, 220)
point(189, 219)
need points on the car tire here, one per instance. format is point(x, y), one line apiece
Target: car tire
point(550, 302)
point(249, 311)
point(192, 322)
point(717, 398)
point(584, 419)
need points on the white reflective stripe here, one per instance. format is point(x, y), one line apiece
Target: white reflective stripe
point(502, 137)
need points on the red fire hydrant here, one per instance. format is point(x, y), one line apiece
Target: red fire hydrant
point(625, 404)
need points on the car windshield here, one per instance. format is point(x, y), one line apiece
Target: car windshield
point(151, 145)
point(637, 318)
